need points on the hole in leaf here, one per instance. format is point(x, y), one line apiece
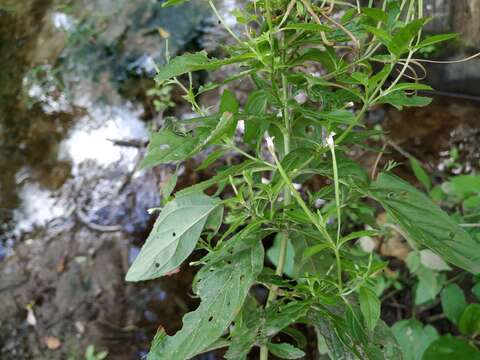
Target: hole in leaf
point(157, 265)
point(391, 195)
point(174, 234)
point(210, 318)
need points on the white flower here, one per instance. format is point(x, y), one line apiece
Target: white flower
point(270, 145)
point(301, 97)
point(330, 140)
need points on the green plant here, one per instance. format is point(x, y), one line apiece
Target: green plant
point(315, 76)
point(91, 355)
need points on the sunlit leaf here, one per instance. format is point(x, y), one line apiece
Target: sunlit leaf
point(173, 237)
point(222, 285)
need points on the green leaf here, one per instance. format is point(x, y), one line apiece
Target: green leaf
point(194, 62)
point(307, 27)
point(410, 86)
point(169, 3)
point(381, 34)
point(296, 335)
point(453, 302)
point(173, 237)
point(420, 174)
point(464, 186)
point(424, 223)
point(413, 338)
point(256, 102)
point(244, 336)
point(222, 284)
point(428, 286)
point(448, 348)
point(256, 106)
point(402, 39)
point(376, 14)
point(370, 307)
point(436, 39)
point(469, 323)
point(334, 331)
point(399, 99)
point(362, 78)
point(223, 175)
point(167, 146)
point(315, 262)
point(476, 290)
point(315, 249)
point(280, 316)
point(210, 159)
point(274, 252)
point(167, 189)
point(224, 127)
point(228, 103)
point(285, 351)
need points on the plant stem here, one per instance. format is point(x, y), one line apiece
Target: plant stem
point(286, 193)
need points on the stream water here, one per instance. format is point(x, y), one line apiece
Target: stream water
point(74, 119)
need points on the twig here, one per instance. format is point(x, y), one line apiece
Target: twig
point(96, 227)
point(377, 161)
point(136, 143)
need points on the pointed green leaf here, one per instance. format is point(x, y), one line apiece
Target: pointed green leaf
point(169, 3)
point(307, 27)
point(222, 284)
point(173, 238)
point(376, 14)
point(285, 351)
point(399, 99)
point(402, 39)
point(167, 189)
point(195, 62)
point(167, 146)
point(453, 302)
point(469, 323)
point(425, 224)
point(420, 173)
point(436, 39)
point(370, 307)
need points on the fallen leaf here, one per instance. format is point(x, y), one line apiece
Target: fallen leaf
point(52, 342)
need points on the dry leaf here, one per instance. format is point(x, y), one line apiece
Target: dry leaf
point(52, 342)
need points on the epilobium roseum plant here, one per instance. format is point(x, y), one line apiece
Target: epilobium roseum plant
point(317, 68)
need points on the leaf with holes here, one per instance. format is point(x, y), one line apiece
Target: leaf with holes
point(222, 284)
point(174, 236)
point(425, 224)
